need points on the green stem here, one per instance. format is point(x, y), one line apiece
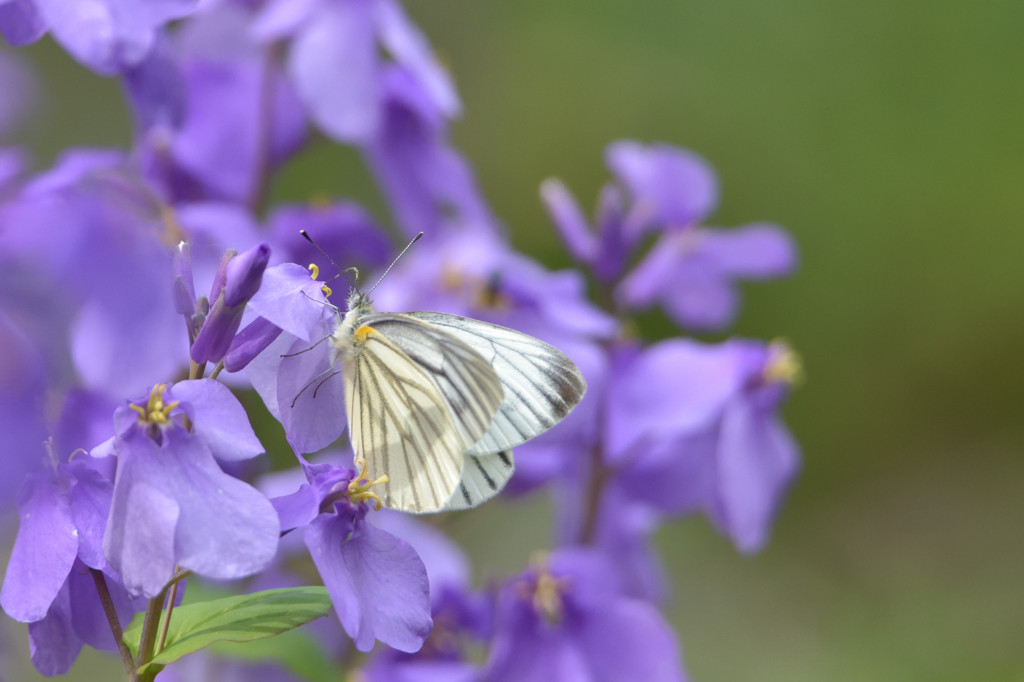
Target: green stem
point(147, 641)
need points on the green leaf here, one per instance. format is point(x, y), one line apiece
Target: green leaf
point(296, 650)
point(240, 618)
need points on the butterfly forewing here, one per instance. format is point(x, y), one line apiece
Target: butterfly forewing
point(540, 383)
point(467, 382)
point(400, 423)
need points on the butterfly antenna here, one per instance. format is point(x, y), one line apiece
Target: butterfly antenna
point(381, 278)
point(340, 272)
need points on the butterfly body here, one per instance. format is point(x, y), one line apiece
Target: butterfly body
point(437, 401)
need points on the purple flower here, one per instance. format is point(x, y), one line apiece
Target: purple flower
point(333, 60)
point(216, 115)
point(48, 583)
point(691, 271)
point(105, 35)
point(342, 229)
point(173, 505)
point(567, 619)
point(87, 229)
point(429, 184)
point(722, 449)
point(476, 274)
point(377, 582)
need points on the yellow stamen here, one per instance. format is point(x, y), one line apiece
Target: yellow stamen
point(155, 411)
point(783, 364)
point(359, 487)
point(314, 270)
point(327, 290)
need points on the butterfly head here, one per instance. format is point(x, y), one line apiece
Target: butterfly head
point(358, 302)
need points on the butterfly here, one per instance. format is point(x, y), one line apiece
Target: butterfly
point(436, 402)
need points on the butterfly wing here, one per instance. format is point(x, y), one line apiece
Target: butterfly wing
point(401, 424)
point(467, 382)
point(483, 477)
point(541, 385)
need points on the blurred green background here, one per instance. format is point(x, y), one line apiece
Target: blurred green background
point(889, 138)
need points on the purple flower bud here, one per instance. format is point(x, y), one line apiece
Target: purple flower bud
point(244, 274)
point(249, 343)
point(236, 281)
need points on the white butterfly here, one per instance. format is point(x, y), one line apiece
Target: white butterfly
point(436, 402)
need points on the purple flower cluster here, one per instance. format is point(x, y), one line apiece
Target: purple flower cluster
point(150, 296)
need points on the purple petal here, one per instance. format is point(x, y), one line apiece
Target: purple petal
point(43, 551)
point(410, 48)
point(572, 225)
point(108, 35)
point(139, 539)
point(679, 186)
point(296, 509)
point(88, 620)
point(90, 498)
point(652, 277)
point(752, 251)
point(700, 299)
point(674, 387)
point(53, 644)
point(333, 63)
point(291, 300)
point(627, 639)
point(219, 419)
point(377, 583)
point(252, 340)
point(281, 18)
point(201, 518)
point(444, 560)
point(218, 143)
point(757, 461)
point(156, 88)
point(21, 22)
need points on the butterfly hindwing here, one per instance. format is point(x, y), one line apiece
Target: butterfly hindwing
point(400, 423)
point(483, 477)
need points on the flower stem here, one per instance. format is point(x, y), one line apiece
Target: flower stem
point(115, 624)
point(147, 641)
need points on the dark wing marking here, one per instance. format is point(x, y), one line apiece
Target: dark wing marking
point(541, 384)
point(399, 422)
point(483, 477)
point(466, 381)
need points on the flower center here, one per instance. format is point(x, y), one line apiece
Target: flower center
point(783, 364)
point(155, 412)
point(545, 593)
point(359, 487)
